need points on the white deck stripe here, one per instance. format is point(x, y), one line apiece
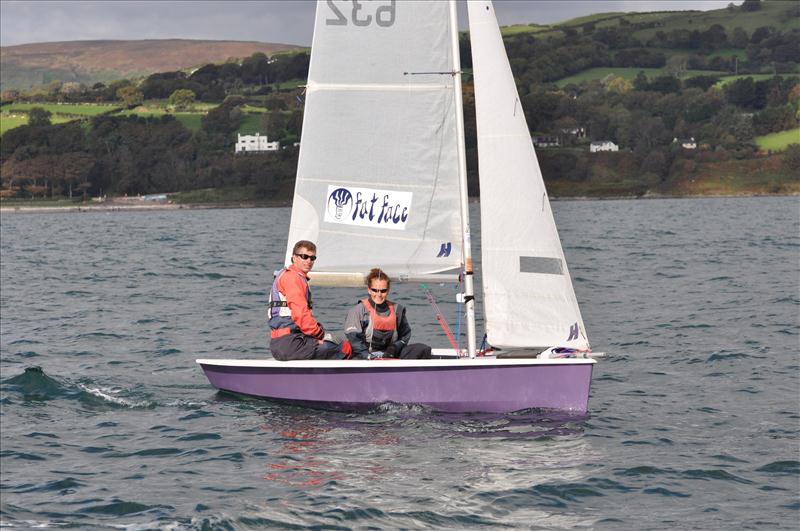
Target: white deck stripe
point(358, 364)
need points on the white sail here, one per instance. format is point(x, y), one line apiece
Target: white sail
point(377, 179)
point(528, 296)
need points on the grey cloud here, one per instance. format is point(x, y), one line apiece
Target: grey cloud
point(283, 21)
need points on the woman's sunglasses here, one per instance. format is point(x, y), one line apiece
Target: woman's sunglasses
point(306, 256)
point(376, 290)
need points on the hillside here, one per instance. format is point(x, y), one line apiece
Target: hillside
point(28, 65)
point(703, 108)
point(780, 15)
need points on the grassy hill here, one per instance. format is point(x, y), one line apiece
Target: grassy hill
point(28, 65)
point(778, 141)
point(775, 13)
point(780, 14)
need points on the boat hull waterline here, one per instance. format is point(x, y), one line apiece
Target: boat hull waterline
point(458, 386)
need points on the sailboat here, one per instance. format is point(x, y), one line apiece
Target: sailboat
point(381, 181)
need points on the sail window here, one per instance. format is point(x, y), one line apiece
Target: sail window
point(540, 264)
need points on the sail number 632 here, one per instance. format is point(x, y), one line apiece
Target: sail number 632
point(384, 15)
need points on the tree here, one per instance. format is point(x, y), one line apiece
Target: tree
point(655, 162)
point(740, 40)
point(676, 65)
point(640, 82)
point(275, 104)
point(760, 34)
point(9, 96)
point(38, 117)
point(665, 84)
point(751, 5)
point(618, 84)
point(275, 124)
point(221, 122)
point(741, 92)
point(130, 96)
point(791, 159)
point(295, 123)
point(182, 99)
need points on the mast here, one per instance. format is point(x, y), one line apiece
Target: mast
point(469, 296)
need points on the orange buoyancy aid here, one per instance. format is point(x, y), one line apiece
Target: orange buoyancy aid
point(279, 315)
point(382, 329)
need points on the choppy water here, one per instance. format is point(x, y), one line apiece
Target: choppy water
point(694, 418)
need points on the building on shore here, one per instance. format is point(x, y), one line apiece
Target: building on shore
point(685, 143)
point(603, 145)
point(546, 141)
point(255, 144)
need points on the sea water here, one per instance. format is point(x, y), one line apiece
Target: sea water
point(107, 422)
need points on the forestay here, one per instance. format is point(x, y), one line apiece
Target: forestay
point(377, 179)
point(528, 295)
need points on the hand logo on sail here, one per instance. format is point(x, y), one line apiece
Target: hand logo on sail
point(338, 200)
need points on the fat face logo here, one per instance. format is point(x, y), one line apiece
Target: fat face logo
point(366, 207)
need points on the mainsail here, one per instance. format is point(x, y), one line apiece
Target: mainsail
point(528, 295)
point(377, 178)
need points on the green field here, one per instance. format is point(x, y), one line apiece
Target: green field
point(724, 80)
point(251, 121)
point(627, 73)
point(251, 124)
point(729, 52)
point(10, 121)
point(191, 120)
point(778, 141)
point(250, 109)
point(63, 109)
point(516, 29)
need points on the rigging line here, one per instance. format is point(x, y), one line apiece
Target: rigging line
point(440, 318)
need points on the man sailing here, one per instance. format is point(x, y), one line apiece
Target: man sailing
point(294, 332)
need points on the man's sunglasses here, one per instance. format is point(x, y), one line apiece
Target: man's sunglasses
point(376, 290)
point(306, 256)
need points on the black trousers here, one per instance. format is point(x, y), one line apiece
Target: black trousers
point(303, 347)
point(416, 351)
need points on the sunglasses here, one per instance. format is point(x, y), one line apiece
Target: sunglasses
point(376, 290)
point(306, 256)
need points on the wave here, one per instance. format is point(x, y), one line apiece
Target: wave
point(107, 394)
point(781, 467)
point(34, 385)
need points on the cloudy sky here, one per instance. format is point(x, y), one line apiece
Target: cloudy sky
point(283, 21)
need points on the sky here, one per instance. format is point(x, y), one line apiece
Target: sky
point(276, 21)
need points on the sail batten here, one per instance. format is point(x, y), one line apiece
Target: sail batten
point(315, 87)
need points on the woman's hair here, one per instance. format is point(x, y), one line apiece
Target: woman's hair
point(377, 273)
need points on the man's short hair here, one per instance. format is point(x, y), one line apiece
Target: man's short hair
point(304, 244)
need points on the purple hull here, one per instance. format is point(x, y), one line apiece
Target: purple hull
point(497, 387)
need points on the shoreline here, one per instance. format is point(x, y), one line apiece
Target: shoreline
point(280, 204)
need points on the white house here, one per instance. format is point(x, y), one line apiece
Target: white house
point(545, 141)
point(603, 145)
point(256, 143)
point(686, 143)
